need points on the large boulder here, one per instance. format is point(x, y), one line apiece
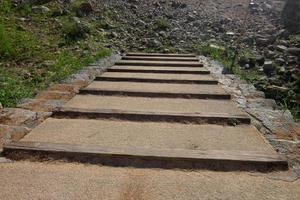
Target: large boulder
point(291, 16)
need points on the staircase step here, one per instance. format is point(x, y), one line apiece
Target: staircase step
point(156, 58)
point(160, 55)
point(157, 78)
point(177, 105)
point(158, 70)
point(167, 90)
point(159, 63)
point(140, 157)
point(154, 135)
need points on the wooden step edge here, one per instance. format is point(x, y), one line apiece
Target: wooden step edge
point(177, 59)
point(155, 80)
point(147, 158)
point(158, 64)
point(159, 54)
point(133, 93)
point(157, 71)
point(195, 118)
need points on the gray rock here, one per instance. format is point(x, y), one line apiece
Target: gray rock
point(85, 8)
point(191, 18)
point(269, 54)
point(281, 48)
point(40, 9)
point(294, 51)
point(268, 67)
point(260, 60)
point(18, 117)
point(280, 61)
point(154, 43)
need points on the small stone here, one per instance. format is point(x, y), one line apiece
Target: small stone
point(281, 48)
point(12, 133)
point(40, 9)
point(280, 61)
point(294, 51)
point(191, 18)
point(230, 33)
point(269, 54)
point(281, 70)
point(85, 8)
point(18, 117)
point(260, 60)
point(268, 67)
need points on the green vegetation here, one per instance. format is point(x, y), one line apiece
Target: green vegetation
point(161, 24)
point(36, 50)
point(226, 56)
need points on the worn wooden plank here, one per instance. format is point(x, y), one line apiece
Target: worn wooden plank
point(162, 71)
point(157, 58)
point(155, 80)
point(159, 63)
point(222, 119)
point(140, 157)
point(133, 93)
point(160, 54)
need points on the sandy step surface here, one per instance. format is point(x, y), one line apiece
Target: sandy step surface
point(160, 54)
point(63, 181)
point(109, 133)
point(158, 87)
point(161, 68)
point(155, 104)
point(193, 77)
point(160, 63)
point(161, 58)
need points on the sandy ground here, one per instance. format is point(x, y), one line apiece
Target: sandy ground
point(155, 104)
point(63, 181)
point(149, 135)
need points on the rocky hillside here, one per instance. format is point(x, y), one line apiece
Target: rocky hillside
point(254, 41)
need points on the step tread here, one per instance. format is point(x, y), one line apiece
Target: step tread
point(159, 63)
point(160, 54)
point(116, 133)
point(158, 87)
point(209, 158)
point(159, 105)
point(158, 76)
point(160, 58)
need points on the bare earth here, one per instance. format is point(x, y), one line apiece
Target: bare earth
point(62, 181)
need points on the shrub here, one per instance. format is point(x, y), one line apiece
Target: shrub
point(75, 31)
point(161, 24)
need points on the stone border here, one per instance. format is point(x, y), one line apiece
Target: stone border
point(15, 123)
point(277, 126)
